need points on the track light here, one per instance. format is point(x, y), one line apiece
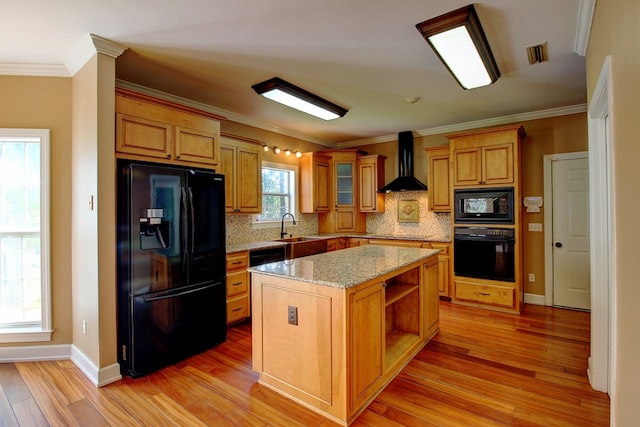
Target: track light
point(276, 150)
point(298, 154)
point(292, 96)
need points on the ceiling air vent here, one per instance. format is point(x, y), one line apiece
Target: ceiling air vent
point(537, 53)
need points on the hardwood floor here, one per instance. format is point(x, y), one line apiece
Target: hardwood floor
point(483, 368)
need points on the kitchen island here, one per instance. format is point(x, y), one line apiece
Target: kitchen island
point(330, 331)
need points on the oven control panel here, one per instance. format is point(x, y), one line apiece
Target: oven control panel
point(489, 232)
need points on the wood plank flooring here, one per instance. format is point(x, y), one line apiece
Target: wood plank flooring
point(483, 369)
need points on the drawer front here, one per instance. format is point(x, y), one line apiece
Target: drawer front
point(503, 296)
point(237, 262)
point(237, 283)
point(237, 309)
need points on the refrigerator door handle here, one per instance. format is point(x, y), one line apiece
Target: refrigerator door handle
point(185, 226)
point(193, 226)
point(179, 294)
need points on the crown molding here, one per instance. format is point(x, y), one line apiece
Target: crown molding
point(496, 121)
point(231, 116)
point(583, 29)
point(34, 70)
point(91, 45)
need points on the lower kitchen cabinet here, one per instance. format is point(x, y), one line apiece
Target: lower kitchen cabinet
point(444, 268)
point(238, 292)
point(336, 244)
point(479, 292)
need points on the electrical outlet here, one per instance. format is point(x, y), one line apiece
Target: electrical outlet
point(293, 315)
point(84, 327)
point(532, 277)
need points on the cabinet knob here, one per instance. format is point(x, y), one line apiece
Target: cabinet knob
point(168, 156)
point(178, 157)
point(558, 245)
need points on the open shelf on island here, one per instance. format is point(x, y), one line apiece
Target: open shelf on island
point(402, 314)
point(396, 291)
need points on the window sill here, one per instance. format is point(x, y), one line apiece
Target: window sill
point(24, 335)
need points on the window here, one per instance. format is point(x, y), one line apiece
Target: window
point(24, 235)
point(278, 192)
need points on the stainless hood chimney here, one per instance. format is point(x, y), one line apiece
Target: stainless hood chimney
point(405, 181)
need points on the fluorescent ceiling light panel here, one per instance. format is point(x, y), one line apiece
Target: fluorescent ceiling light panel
point(460, 43)
point(292, 96)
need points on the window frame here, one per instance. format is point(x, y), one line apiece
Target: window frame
point(43, 331)
point(293, 195)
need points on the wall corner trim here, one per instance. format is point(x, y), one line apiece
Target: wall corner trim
point(91, 45)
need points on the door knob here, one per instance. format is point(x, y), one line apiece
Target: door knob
point(558, 245)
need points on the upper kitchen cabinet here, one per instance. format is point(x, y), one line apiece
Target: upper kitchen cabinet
point(315, 183)
point(343, 215)
point(371, 178)
point(486, 157)
point(439, 179)
point(241, 164)
point(160, 131)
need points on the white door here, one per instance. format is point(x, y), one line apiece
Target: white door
point(571, 275)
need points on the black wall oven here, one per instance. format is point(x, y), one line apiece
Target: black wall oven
point(485, 253)
point(484, 205)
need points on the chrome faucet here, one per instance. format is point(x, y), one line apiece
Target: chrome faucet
point(282, 232)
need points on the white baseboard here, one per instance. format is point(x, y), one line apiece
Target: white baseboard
point(35, 353)
point(534, 299)
point(99, 377)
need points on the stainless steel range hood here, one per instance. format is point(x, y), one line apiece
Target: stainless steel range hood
point(405, 181)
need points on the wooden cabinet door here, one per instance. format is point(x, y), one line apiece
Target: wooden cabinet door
point(321, 185)
point(315, 183)
point(371, 178)
point(345, 220)
point(226, 167)
point(248, 180)
point(439, 181)
point(366, 340)
point(431, 314)
point(467, 166)
point(497, 164)
point(196, 146)
point(444, 265)
point(143, 137)
point(242, 167)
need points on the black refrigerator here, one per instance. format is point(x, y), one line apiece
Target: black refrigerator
point(171, 264)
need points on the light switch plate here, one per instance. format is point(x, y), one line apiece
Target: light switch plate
point(535, 226)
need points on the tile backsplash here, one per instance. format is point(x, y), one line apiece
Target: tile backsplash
point(429, 223)
point(241, 230)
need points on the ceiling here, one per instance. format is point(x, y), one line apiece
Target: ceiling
point(365, 55)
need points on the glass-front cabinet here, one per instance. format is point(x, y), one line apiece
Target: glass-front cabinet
point(344, 184)
point(343, 215)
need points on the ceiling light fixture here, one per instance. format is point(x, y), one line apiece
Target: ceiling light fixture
point(460, 43)
point(292, 96)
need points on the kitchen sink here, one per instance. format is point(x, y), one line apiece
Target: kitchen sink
point(297, 239)
point(297, 247)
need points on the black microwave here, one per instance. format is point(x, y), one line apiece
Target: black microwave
point(484, 205)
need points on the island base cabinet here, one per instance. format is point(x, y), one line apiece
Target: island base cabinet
point(343, 345)
point(366, 343)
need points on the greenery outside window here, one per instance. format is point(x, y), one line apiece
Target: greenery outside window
point(25, 312)
point(278, 192)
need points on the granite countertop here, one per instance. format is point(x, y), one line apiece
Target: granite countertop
point(348, 267)
point(240, 247)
